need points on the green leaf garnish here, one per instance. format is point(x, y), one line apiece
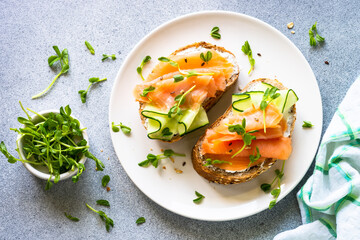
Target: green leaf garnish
point(269, 95)
point(246, 136)
point(187, 74)
point(124, 129)
point(75, 219)
point(255, 157)
point(91, 49)
point(179, 100)
point(209, 162)
point(266, 187)
point(63, 59)
point(307, 124)
point(178, 78)
point(199, 198)
point(246, 49)
point(106, 56)
point(140, 220)
point(108, 221)
point(206, 58)
point(146, 91)
point(103, 202)
point(318, 38)
point(105, 180)
point(166, 132)
point(83, 93)
point(215, 33)
point(139, 69)
point(154, 159)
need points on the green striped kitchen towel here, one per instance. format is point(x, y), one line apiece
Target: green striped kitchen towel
point(330, 199)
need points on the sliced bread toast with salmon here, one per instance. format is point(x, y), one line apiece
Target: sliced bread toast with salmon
point(250, 136)
point(181, 88)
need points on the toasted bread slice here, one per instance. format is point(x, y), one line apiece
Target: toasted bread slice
point(209, 102)
point(217, 175)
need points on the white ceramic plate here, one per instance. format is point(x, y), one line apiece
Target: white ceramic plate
point(279, 59)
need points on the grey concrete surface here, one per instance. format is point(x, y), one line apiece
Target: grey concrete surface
point(28, 29)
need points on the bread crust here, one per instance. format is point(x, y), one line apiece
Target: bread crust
point(221, 176)
point(209, 102)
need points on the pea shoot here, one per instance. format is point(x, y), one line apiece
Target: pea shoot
point(124, 129)
point(269, 95)
point(246, 49)
point(140, 68)
point(215, 33)
point(266, 187)
point(317, 37)
point(108, 56)
point(103, 202)
point(83, 93)
point(63, 59)
point(146, 91)
point(140, 220)
point(108, 221)
point(90, 48)
point(246, 136)
point(254, 157)
point(179, 100)
point(56, 142)
point(206, 57)
point(105, 180)
point(307, 124)
point(199, 198)
point(154, 159)
point(209, 162)
point(75, 219)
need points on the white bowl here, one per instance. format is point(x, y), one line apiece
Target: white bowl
point(42, 171)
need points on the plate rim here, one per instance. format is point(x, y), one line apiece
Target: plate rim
point(179, 19)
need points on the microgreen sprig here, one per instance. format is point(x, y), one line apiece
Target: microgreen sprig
point(199, 198)
point(140, 220)
point(52, 143)
point(103, 202)
point(246, 49)
point(254, 157)
point(63, 59)
point(108, 221)
point(83, 93)
point(307, 124)
point(140, 68)
point(269, 95)
point(179, 100)
point(317, 37)
point(206, 57)
point(75, 219)
point(90, 48)
point(266, 187)
point(147, 90)
point(106, 56)
point(124, 129)
point(209, 162)
point(215, 33)
point(105, 180)
point(154, 159)
point(246, 136)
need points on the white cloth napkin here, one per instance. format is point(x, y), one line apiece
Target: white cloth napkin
point(330, 199)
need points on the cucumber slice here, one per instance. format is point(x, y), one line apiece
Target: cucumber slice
point(186, 120)
point(262, 87)
point(290, 99)
point(200, 120)
point(243, 102)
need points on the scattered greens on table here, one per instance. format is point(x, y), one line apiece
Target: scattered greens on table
point(91, 49)
point(199, 198)
point(106, 56)
point(246, 49)
point(215, 33)
point(140, 68)
point(103, 202)
point(63, 59)
point(75, 219)
point(83, 93)
point(154, 159)
point(56, 142)
point(317, 37)
point(140, 220)
point(266, 187)
point(105, 180)
point(307, 124)
point(108, 221)
point(124, 129)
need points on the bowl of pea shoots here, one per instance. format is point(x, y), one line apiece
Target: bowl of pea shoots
point(52, 145)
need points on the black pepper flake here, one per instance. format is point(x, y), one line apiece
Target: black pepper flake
point(172, 92)
point(203, 64)
point(184, 163)
point(161, 78)
point(230, 143)
point(185, 60)
point(259, 54)
point(327, 62)
point(230, 150)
